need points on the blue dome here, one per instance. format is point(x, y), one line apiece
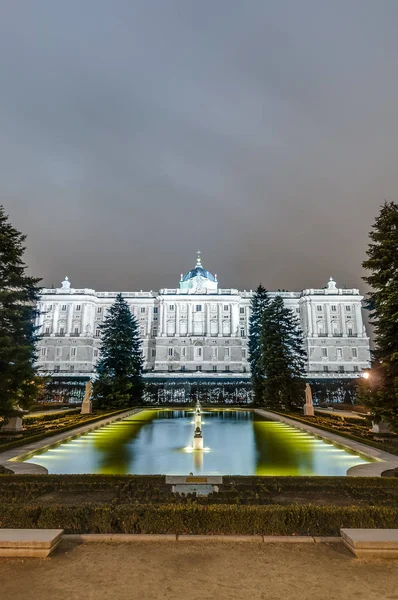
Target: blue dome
point(198, 271)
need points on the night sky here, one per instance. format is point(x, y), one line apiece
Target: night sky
point(264, 132)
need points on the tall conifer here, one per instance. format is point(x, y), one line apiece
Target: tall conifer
point(19, 293)
point(119, 369)
point(259, 302)
point(283, 357)
point(382, 262)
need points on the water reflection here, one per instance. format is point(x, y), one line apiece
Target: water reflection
point(237, 443)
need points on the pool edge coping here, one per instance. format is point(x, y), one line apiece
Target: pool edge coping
point(382, 461)
point(13, 459)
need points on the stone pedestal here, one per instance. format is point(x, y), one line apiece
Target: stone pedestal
point(14, 425)
point(197, 443)
point(308, 410)
point(382, 427)
point(87, 407)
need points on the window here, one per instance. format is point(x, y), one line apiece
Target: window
point(153, 352)
point(76, 331)
point(348, 308)
point(227, 368)
point(199, 367)
point(142, 332)
point(356, 369)
point(350, 332)
point(155, 310)
point(44, 351)
point(226, 307)
point(339, 353)
point(61, 331)
point(242, 310)
point(244, 353)
point(341, 369)
point(56, 369)
point(71, 367)
point(155, 331)
point(182, 368)
point(99, 309)
point(73, 351)
point(354, 352)
point(143, 309)
point(58, 352)
point(334, 308)
point(97, 332)
point(226, 352)
point(326, 369)
point(200, 351)
point(78, 307)
point(63, 307)
point(319, 308)
point(214, 368)
point(170, 367)
point(47, 331)
point(324, 352)
point(171, 307)
point(95, 353)
point(242, 332)
point(170, 352)
point(183, 352)
point(297, 311)
point(198, 308)
point(50, 307)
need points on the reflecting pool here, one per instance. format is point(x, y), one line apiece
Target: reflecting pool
point(236, 442)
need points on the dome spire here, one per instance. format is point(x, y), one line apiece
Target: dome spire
point(198, 259)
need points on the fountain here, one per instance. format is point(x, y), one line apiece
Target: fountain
point(198, 415)
point(197, 439)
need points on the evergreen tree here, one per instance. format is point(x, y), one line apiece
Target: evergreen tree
point(382, 302)
point(283, 357)
point(119, 369)
point(19, 293)
point(259, 302)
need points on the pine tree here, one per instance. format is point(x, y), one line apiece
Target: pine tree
point(119, 370)
point(283, 357)
point(259, 302)
point(382, 302)
point(19, 293)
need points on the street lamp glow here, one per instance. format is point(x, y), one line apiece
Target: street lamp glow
point(366, 375)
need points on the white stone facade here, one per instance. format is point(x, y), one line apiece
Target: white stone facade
point(200, 329)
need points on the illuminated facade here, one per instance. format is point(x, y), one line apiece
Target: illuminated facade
point(199, 329)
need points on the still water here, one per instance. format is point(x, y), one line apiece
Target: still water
point(236, 442)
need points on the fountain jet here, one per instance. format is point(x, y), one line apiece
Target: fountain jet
point(197, 439)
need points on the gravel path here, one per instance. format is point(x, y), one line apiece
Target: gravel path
point(198, 571)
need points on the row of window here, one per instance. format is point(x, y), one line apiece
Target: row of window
point(333, 308)
point(198, 351)
point(339, 352)
point(340, 369)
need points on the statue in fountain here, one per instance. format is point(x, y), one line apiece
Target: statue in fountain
point(308, 406)
point(198, 439)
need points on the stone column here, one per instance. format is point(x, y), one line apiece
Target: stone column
point(177, 318)
point(358, 318)
point(189, 318)
point(313, 314)
point(40, 319)
point(220, 309)
point(55, 318)
point(84, 319)
point(342, 320)
point(308, 319)
point(234, 319)
point(328, 328)
point(149, 320)
point(208, 326)
point(69, 320)
point(162, 323)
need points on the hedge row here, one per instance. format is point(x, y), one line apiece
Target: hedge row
point(28, 439)
point(32, 418)
point(196, 519)
point(367, 442)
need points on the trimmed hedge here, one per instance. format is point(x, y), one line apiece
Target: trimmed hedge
point(32, 418)
point(197, 519)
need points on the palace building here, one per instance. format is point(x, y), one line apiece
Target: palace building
point(199, 329)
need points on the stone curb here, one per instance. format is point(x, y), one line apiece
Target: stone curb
point(87, 538)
